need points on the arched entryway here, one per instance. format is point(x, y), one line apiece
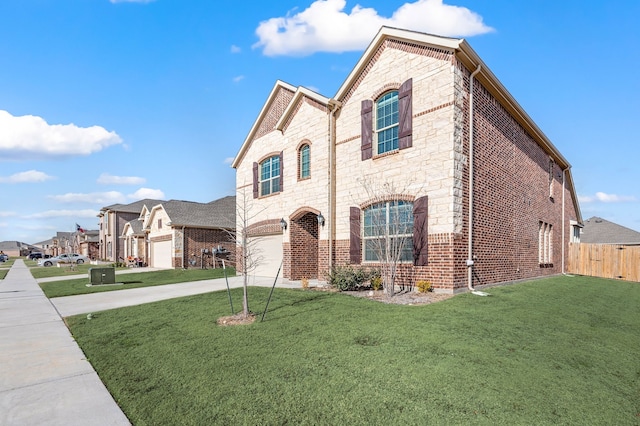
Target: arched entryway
point(304, 245)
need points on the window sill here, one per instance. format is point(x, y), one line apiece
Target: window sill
point(386, 154)
point(269, 195)
point(302, 179)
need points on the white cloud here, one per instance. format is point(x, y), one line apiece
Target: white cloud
point(107, 179)
point(103, 198)
point(32, 137)
point(63, 213)
point(325, 26)
point(606, 198)
point(7, 214)
point(235, 49)
point(238, 79)
point(143, 193)
point(25, 177)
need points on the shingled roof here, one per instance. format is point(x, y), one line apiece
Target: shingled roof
point(134, 207)
point(600, 231)
point(216, 214)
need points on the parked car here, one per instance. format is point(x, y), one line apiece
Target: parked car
point(4, 257)
point(35, 255)
point(64, 258)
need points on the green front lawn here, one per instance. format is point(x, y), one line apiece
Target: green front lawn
point(130, 280)
point(557, 351)
point(63, 270)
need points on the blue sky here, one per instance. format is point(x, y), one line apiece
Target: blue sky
point(111, 101)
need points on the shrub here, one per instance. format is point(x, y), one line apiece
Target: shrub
point(424, 286)
point(304, 282)
point(348, 278)
point(376, 283)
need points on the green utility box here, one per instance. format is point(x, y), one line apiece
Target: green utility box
point(99, 276)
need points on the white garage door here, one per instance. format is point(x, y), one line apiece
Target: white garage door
point(161, 254)
point(268, 249)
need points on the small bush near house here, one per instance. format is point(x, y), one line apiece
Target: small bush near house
point(424, 286)
point(304, 282)
point(376, 283)
point(348, 278)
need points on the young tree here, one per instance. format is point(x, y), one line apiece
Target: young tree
point(388, 229)
point(250, 257)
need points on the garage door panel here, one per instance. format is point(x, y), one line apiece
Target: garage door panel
point(267, 250)
point(161, 254)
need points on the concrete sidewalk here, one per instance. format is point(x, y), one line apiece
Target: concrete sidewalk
point(89, 303)
point(44, 376)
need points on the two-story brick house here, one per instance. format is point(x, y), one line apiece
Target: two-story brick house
point(112, 220)
point(484, 195)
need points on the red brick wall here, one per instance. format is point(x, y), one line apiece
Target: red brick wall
point(304, 247)
point(196, 239)
point(511, 197)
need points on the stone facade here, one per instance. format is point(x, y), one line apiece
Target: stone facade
point(520, 180)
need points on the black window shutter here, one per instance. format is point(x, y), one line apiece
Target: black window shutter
point(281, 170)
point(420, 234)
point(255, 180)
point(355, 248)
point(405, 115)
point(366, 120)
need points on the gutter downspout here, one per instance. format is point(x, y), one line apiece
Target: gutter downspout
point(334, 106)
point(183, 247)
point(470, 246)
point(563, 230)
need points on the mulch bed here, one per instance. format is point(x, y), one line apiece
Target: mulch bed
point(402, 297)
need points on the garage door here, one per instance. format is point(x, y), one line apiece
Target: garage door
point(268, 249)
point(161, 254)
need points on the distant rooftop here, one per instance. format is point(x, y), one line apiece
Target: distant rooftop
point(600, 231)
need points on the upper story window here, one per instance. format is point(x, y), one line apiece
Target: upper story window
point(270, 176)
point(387, 123)
point(388, 231)
point(304, 165)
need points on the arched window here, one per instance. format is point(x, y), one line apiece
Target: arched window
point(270, 176)
point(387, 122)
point(304, 166)
point(388, 231)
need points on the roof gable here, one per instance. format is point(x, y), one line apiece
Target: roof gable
point(271, 112)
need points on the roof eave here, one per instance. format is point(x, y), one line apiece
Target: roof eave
point(263, 112)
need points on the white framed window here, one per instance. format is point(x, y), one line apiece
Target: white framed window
point(545, 243)
point(388, 231)
point(270, 176)
point(304, 161)
point(387, 123)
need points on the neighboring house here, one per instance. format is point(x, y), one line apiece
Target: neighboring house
point(44, 247)
point(600, 231)
point(319, 166)
point(112, 220)
point(182, 234)
point(64, 242)
point(88, 243)
point(16, 248)
point(135, 245)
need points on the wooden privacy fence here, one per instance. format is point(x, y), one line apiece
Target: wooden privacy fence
point(605, 261)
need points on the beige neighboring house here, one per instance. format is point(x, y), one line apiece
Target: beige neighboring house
point(112, 220)
point(183, 234)
point(135, 246)
point(421, 143)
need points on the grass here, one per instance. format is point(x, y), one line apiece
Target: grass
point(133, 280)
point(556, 351)
point(65, 270)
